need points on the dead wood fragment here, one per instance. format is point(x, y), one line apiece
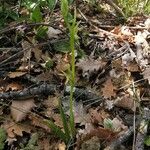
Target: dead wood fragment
point(44, 89)
point(118, 142)
point(85, 95)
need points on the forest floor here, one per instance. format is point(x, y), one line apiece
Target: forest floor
point(112, 70)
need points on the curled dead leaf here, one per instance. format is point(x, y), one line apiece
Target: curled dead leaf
point(14, 129)
point(89, 65)
point(108, 89)
point(20, 109)
point(16, 74)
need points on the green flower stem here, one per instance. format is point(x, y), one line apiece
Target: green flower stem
point(72, 46)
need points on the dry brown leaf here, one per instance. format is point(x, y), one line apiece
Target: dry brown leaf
point(118, 125)
point(58, 120)
point(80, 114)
point(45, 76)
point(101, 133)
point(37, 53)
point(97, 116)
point(117, 64)
point(108, 90)
point(62, 65)
point(133, 67)
point(52, 101)
point(29, 47)
point(91, 144)
point(44, 144)
point(37, 121)
point(14, 129)
point(20, 108)
point(146, 74)
point(90, 65)
point(25, 67)
point(53, 33)
point(16, 74)
point(13, 87)
point(126, 101)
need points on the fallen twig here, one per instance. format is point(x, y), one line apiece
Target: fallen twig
point(85, 95)
point(118, 142)
point(45, 89)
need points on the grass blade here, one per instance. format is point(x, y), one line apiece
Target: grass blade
point(64, 120)
point(56, 130)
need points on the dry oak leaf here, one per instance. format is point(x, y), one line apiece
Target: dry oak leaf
point(45, 76)
point(14, 129)
point(108, 89)
point(89, 65)
point(13, 87)
point(38, 121)
point(20, 108)
point(97, 116)
point(29, 47)
point(16, 74)
point(53, 33)
point(126, 101)
point(133, 67)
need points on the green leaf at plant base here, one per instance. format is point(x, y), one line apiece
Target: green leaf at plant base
point(41, 31)
point(49, 63)
point(51, 4)
point(64, 120)
point(147, 141)
point(108, 124)
point(56, 130)
point(36, 15)
point(64, 9)
point(62, 46)
point(3, 137)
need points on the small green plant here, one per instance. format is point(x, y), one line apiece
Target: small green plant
point(147, 141)
point(132, 7)
point(32, 144)
point(72, 25)
point(3, 137)
point(69, 128)
point(108, 124)
point(7, 14)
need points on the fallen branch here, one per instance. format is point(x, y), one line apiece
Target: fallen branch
point(122, 139)
point(87, 96)
point(44, 89)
